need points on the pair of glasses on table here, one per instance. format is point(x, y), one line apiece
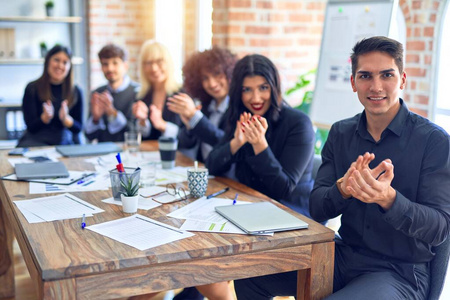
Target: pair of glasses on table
point(171, 194)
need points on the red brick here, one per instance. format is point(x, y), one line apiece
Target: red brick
point(408, 32)
point(416, 72)
point(428, 31)
point(420, 112)
point(264, 4)
point(240, 3)
point(295, 53)
point(289, 5)
point(113, 6)
point(417, 32)
point(436, 5)
point(241, 16)
point(300, 18)
point(412, 58)
point(416, 4)
point(413, 85)
point(315, 6)
point(236, 41)
point(428, 59)
point(260, 30)
point(415, 45)
point(421, 99)
point(433, 18)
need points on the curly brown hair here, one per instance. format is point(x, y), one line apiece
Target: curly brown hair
point(214, 60)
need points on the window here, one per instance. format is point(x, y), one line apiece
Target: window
point(442, 101)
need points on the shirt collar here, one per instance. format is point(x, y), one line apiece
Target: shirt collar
point(122, 87)
point(222, 108)
point(396, 126)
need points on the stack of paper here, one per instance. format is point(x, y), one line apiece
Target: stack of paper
point(61, 207)
point(140, 232)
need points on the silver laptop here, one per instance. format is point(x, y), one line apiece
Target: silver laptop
point(41, 170)
point(261, 217)
point(88, 149)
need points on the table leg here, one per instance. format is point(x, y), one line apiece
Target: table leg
point(6, 257)
point(317, 282)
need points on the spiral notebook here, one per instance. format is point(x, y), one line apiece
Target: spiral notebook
point(261, 217)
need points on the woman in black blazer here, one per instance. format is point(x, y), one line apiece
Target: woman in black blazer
point(268, 145)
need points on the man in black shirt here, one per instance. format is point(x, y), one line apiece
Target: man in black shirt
point(388, 224)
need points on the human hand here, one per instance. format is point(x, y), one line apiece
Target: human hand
point(48, 111)
point(106, 100)
point(363, 186)
point(140, 110)
point(97, 109)
point(255, 133)
point(239, 138)
point(156, 118)
point(183, 105)
point(64, 116)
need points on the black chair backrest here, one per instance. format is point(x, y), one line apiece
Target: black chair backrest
point(438, 269)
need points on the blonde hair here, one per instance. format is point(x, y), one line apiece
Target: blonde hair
point(152, 50)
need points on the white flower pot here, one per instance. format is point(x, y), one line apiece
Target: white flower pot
point(129, 204)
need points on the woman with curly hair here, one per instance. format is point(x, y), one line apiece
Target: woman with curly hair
point(207, 77)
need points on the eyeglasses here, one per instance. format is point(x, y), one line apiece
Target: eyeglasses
point(170, 194)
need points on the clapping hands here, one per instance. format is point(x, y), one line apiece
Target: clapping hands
point(251, 129)
point(48, 111)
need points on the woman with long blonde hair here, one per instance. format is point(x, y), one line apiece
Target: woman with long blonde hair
point(157, 79)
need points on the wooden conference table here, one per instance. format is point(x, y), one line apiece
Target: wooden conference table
point(66, 262)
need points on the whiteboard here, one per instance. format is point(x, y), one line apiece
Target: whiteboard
point(346, 22)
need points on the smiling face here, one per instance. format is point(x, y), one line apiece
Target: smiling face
point(155, 70)
point(378, 83)
point(256, 93)
point(58, 67)
point(215, 84)
point(114, 69)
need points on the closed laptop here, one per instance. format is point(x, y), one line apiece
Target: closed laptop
point(88, 149)
point(261, 217)
point(41, 170)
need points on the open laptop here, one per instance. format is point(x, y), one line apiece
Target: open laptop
point(88, 149)
point(41, 170)
point(261, 217)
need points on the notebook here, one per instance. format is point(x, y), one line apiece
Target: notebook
point(88, 149)
point(261, 217)
point(41, 170)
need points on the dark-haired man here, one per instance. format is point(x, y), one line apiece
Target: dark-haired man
point(111, 114)
point(388, 225)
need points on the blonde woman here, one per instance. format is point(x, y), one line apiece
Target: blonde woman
point(157, 79)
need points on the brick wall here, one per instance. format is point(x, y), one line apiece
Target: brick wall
point(288, 32)
point(422, 19)
point(127, 23)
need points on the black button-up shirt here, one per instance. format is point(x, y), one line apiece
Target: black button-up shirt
point(420, 215)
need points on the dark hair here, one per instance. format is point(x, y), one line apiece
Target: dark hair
point(248, 66)
point(215, 60)
point(112, 51)
point(43, 82)
point(380, 44)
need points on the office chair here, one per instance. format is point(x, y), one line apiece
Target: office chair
point(438, 269)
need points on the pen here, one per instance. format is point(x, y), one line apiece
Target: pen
point(235, 198)
point(217, 193)
point(83, 223)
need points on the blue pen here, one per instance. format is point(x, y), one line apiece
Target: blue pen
point(235, 198)
point(83, 223)
point(119, 160)
point(80, 182)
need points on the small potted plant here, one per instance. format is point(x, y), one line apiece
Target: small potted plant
point(129, 194)
point(43, 47)
point(49, 8)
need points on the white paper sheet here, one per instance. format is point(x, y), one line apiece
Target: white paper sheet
point(140, 232)
point(93, 183)
point(51, 153)
point(143, 203)
point(60, 207)
point(73, 175)
point(203, 209)
point(227, 227)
